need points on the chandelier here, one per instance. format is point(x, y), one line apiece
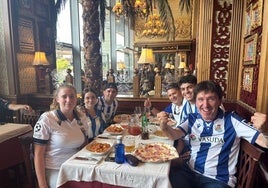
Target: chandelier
point(154, 27)
point(126, 8)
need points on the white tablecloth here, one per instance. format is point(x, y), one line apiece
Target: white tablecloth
point(10, 130)
point(143, 175)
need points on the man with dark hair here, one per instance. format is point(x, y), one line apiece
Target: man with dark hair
point(214, 137)
point(108, 103)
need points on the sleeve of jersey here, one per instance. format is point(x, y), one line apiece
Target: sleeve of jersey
point(42, 130)
point(244, 130)
point(168, 109)
point(184, 126)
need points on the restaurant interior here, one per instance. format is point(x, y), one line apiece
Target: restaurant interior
point(88, 43)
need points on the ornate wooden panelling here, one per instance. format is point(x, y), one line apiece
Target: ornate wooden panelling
point(220, 42)
point(27, 75)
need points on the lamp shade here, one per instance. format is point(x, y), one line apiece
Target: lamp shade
point(40, 59)
point(182, 65)
point(147, 56)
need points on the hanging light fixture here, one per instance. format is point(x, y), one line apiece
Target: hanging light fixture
point(154, 27)
point(126, 8)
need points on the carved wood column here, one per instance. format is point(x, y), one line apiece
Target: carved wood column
point(233, 81)
point(262, 99)
point(204, 40)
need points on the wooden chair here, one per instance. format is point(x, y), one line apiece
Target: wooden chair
point(29, 117)
point(26, 141)
point(250, 174)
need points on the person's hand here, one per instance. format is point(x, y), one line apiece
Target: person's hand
point(27, 107)
point(260, 122)
point(147, 103)
point(163, 118)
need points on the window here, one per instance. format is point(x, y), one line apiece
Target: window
point(115, 47)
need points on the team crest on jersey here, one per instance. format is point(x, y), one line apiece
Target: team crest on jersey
point(192, 137)
point(218, 128)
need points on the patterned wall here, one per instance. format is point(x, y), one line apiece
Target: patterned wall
point(26, 73)
point(3, 66)
point(220, 47)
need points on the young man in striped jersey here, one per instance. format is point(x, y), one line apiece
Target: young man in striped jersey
point(108, 103)
point(214, 137)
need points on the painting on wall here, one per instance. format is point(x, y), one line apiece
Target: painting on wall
point(247, 79)
point(256, 14)
point(248, 21)
point(250, 50)
point(26, 35)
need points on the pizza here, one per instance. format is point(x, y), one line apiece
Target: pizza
point(156, 152)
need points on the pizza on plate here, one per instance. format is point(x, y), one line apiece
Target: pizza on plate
point(98, 147)
point(115, 129)
point(156, 152)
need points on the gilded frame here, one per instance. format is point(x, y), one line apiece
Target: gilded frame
point(247, 79)
point(256, 14)
point(248, 21)
point(250, 48)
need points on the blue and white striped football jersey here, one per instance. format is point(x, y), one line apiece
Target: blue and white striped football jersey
point(108, 110)
point(215, 145)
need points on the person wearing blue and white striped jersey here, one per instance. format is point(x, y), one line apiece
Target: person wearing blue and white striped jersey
point(108, 103)
point(94, 116)
point(214, 137)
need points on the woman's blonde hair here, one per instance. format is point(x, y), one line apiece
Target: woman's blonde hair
point(55, 105)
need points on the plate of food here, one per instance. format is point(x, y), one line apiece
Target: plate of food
point(156, 121)
point(114, 129)
point(118, 117)
point(160, 134)
point(155, 152)
point(99, 147)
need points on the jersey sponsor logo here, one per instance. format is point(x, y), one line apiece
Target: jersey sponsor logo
point(207, 139)
point(211, 139)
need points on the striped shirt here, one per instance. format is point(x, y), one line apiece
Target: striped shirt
point(215, 145)
point(108, 110)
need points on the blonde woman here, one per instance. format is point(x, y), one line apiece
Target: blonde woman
point(58, 135)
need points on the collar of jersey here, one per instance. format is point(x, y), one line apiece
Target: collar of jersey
point(62, 117)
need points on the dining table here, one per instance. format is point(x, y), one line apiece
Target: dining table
point(97, 171)
point(11, 151)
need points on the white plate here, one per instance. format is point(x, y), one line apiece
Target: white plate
point(99, 143)
point(116, 126)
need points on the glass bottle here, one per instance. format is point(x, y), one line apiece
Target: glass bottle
point(144, 126)
point(119, 150)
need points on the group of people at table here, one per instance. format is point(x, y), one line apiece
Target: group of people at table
point(206, 136)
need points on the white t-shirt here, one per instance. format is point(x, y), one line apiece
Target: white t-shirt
point(62, 137)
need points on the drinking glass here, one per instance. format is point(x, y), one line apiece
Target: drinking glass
point(147, 111)
point(138, 111)
point(129, 142)
point(124, 121)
